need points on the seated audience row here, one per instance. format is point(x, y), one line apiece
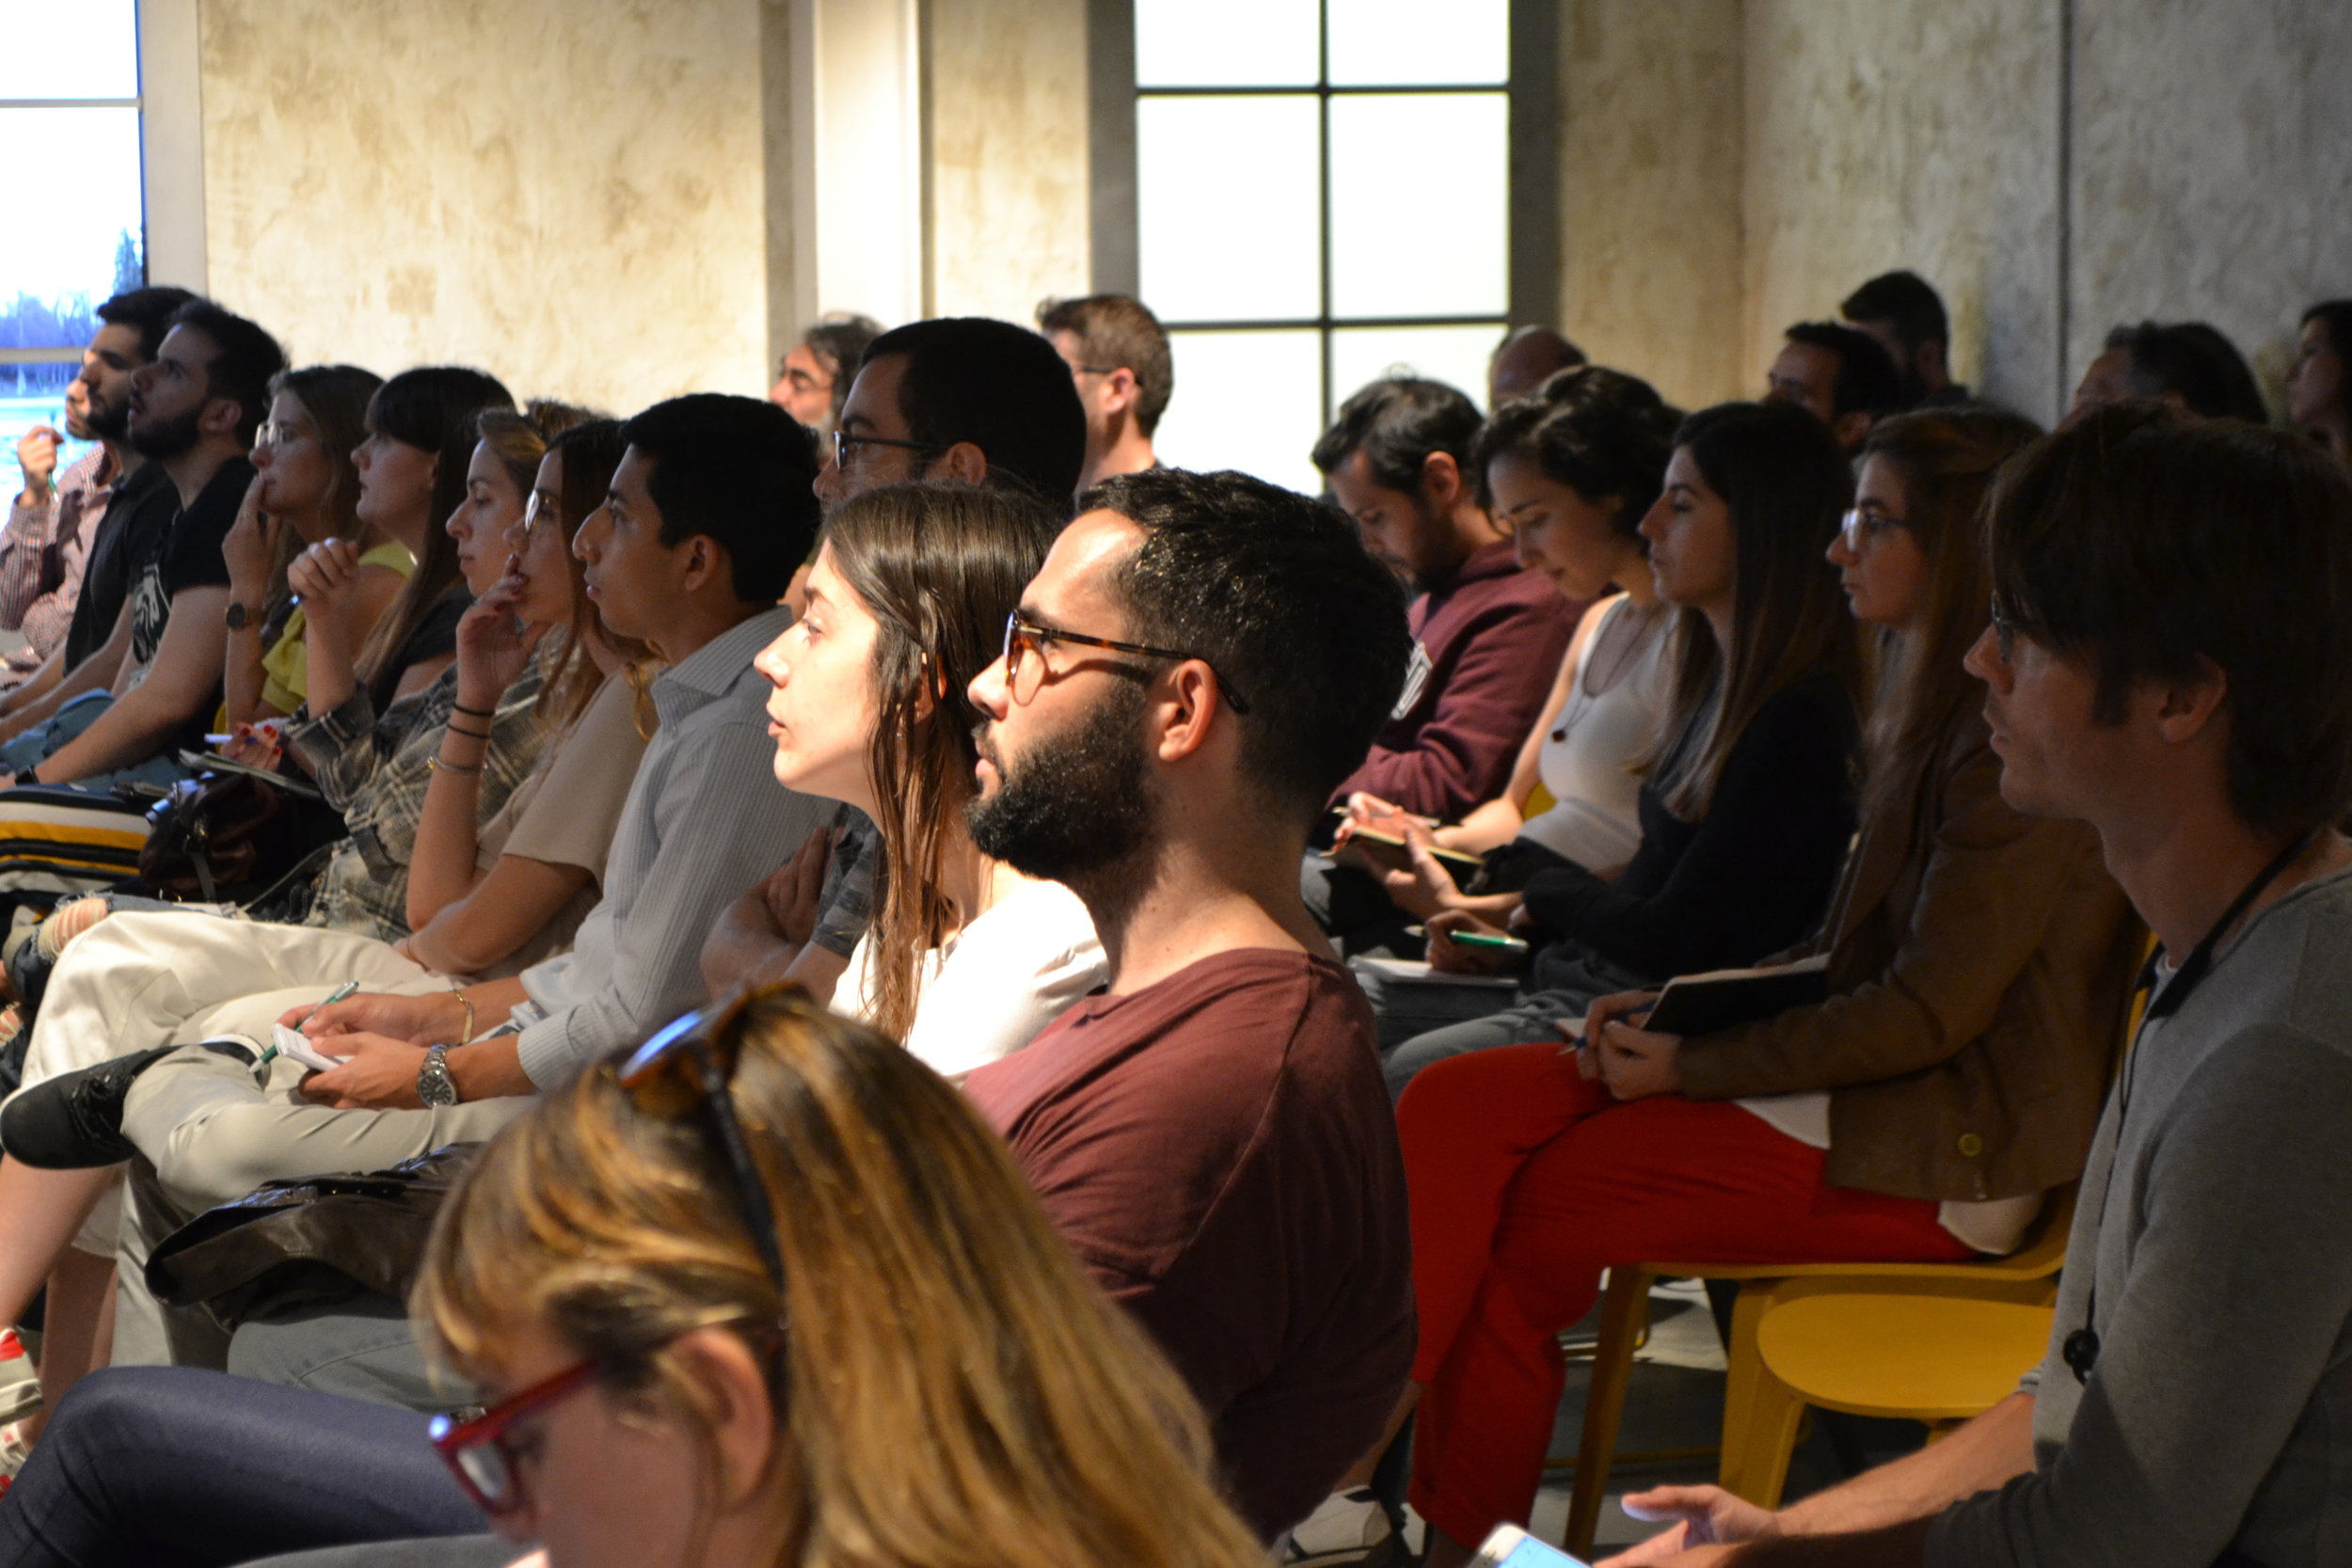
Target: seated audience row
point(1046, 788)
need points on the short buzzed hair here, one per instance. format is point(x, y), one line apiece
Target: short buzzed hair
point(1118, 332)
point(1279, 594)
point(1000, 387)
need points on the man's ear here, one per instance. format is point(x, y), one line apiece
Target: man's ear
point(1850, 428)
point(220, 417)
point(703, 561)
point(2184, 708)
point(1187, 719)
point(1928, 358)
point(1119, 391)
point(1440, 481)
point(964, 463)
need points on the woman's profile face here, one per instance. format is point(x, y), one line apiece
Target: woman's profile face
point(493, 503)
point(1693, 556)
point(1877, 558)
point(823, 709)
point(1554, 530)
point(539, 547)
point(603, 1482)
point(2315, 382)
point(395, 487)
point(297, 472)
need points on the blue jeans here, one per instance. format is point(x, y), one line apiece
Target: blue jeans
point(23, 754)
point(176, 1468)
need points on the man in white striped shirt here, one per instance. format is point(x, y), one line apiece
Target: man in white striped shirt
point(709, 510)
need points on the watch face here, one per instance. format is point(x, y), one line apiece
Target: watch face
point(238, 618)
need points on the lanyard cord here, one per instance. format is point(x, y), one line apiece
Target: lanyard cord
point(2081, 1349)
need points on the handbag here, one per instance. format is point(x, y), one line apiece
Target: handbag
point(321, 1240)
point(229, 836)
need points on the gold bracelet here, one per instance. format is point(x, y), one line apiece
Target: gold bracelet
point(466, 1002)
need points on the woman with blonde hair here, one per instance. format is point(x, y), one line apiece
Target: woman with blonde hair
point(769, 1292)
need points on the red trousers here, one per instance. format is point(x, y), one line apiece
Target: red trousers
point(1526, 1183)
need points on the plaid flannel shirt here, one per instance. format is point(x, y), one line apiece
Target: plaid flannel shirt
point(375, 770)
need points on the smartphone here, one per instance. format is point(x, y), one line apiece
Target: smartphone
point(1510, 1546)
point(1480, 939)
point(1392, 853)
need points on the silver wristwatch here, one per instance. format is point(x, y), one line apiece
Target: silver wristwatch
point(434, 1086)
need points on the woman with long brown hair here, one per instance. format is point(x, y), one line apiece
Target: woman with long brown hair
point(908, 600)
point(1976, 964)
point(1746, 803)
point(305, 492)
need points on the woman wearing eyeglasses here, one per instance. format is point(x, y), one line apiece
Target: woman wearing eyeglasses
point(909, 600)
point(770, 1292)
point(305, 491)
point(1978, 964)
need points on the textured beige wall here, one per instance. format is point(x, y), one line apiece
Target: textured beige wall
point(2213, 167)
point(570, 196)
point(1008, 178)
point(1915, 134)
point(1649, 199)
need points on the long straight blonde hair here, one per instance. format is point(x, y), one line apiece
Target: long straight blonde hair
point(952, 1390)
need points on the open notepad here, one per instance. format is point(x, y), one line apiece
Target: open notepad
point(1725, 998)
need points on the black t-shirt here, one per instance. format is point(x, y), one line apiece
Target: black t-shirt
point(434, 637)
point(135, 517)
point(187, 556)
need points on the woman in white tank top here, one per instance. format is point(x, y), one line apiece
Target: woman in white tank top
point(1570, 472)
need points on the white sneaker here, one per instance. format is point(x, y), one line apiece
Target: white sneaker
point(20, 1384)
point(15, 1448)
point(1347, 1526)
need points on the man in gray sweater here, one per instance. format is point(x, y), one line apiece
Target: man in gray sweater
point(2171, 660)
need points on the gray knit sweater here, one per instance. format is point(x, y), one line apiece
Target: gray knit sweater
point(2217, 1224)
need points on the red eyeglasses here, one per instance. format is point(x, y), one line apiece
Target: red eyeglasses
point(476, 1451)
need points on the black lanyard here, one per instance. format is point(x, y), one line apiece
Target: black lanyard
point(2081, 1349)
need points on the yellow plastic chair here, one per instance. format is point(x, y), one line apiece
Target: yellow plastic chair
point(1934, 1358)
point(2026, 1277)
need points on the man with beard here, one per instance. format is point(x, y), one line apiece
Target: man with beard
point(1200, 662)
point(63, 541)
point(1487, 636)
point(193, 414)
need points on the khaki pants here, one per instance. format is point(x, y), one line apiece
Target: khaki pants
point(137, 981)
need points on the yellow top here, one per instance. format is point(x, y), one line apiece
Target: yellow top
point(286, 666)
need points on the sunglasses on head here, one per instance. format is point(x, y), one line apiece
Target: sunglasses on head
point(688, 1067)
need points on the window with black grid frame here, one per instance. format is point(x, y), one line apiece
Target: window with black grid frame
point(1322, 194)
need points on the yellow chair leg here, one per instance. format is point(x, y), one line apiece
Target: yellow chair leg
point(1758, 1437)
point(1624, 1311)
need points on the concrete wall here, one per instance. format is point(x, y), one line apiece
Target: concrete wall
point(1915, 134)
point(573, 196)
point(2213, 167)
point(1649, 201)
point(1006, 87)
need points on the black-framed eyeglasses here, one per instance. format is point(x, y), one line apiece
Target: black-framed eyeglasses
point(689, 1066)
point(1025, 658)
point(2004, 631)
point(844, 444)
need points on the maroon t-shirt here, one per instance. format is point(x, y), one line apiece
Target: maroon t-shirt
point(1219, 1150)
point(1486, 648)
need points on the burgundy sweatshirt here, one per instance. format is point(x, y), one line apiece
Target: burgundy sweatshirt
point(1486, 648)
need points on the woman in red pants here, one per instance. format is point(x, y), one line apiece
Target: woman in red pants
point(1978, 965)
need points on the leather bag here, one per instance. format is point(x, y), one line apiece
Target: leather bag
point(311, 1242)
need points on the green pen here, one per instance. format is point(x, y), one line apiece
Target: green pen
point(347, 988)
